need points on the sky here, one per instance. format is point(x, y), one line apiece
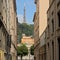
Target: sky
point(30, 9)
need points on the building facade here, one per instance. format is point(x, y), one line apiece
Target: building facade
point(40, 23)
point(6, 33)
point(50, 49)
point(43, 7)
point(53, 31)
point(5, 40)
point(36, 31)
point(43, 46)
point(5, 43)
point(13, 28)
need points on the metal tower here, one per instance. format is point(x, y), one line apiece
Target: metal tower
point(24, 18)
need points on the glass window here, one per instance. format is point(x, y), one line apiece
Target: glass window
point(52, 25)
point(0, 43)
point(59, 19)
point(53, 49)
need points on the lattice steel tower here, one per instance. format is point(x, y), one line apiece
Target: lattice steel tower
point(24, 18)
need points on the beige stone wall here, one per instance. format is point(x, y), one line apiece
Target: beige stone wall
point(13, 29)
point(42, 39)
point(43, 7)
point(3, 12)
point(52, 31)
point(43, 46)
point(3, 30)
point(40, 23)
point(52, 45)
point(36, 32)
point(43, 53)
point(8, 15)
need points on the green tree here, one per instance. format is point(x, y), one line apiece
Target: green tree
point(27, 29)
point(32, 50)
point(22, 50)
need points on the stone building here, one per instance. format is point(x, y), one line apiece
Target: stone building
point(5, 40)
point(43, 46)
point(13, 28)
point(36, 31)
point(40, 23)
point(43, 7)
point(5, 43)
point(36, 38)
point(53, 31)
point(8, 30)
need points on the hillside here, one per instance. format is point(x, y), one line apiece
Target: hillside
point(25, 29)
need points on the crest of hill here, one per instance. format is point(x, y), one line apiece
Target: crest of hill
point(27, 29)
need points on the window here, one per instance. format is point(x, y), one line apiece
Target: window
point(52, 25)
point(9, 40)
point(48, 30)
point(48, 19)
point(48, 45)
point(59, 19)
point(49, 54)
point(52, 13)
point(0, 43)
point(0, 13)
point(53, 50)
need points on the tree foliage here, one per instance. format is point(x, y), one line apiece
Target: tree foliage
point(22, 50)
point(25, 29)
point(32, 50)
